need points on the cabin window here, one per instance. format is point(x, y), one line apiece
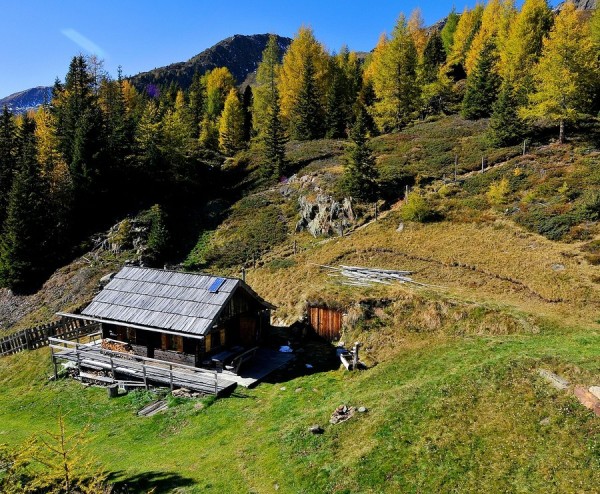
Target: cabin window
point(189, 346)
point(172, 342)
point(131, 335)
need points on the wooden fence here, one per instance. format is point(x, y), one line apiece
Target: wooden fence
point(32, 338)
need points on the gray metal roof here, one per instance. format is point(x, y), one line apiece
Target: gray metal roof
point(168, 300)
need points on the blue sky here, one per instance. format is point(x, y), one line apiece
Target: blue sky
point(39, 38)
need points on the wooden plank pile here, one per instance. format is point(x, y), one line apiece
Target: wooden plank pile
point(365, 277)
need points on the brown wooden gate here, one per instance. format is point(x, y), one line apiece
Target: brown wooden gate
point(326, 322)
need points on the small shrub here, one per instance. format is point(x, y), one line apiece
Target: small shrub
point(416, 208)
point(281, 263)
point(497, 194)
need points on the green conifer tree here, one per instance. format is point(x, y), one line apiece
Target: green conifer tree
point(8, 156)
point(360, 173)
point(306, 115)
point(158, 237)
point(24, 253)
point(482, 84)
point(434, 56)
point(506, 126)
point(247, 110)
point(447, 33)
point(273, 142)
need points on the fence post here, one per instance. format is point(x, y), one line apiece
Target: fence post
point(145, 378)
point(171, 376)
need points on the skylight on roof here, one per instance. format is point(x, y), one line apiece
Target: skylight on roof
point(218, 283)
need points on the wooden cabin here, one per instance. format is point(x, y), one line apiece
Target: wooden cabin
point(177, 316)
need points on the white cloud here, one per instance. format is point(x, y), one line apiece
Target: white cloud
point(83, 42)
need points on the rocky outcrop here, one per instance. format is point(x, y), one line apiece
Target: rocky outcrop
point(324, 216)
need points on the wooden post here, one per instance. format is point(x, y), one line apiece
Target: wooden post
point(216, 383)
point(455, 166)
point(524, 147)
point(244, 274)
point(27, 339)
point(254, 260)
point(171, 376)
point(54, 364)
point(145, 378)
point(482, 164)
point(406, 192)
point(295, 247)
point(375, 211)
point(355, 356)
point(112, 367)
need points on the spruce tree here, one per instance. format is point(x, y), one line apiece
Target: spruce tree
point(335, 113)
point(395, 80)
point(273, 142)
point(506, 126)
point(158, 237)
point(197, 97)
point(24, 250)
point(306, 114)
point(482, 85)
point(360, 174)
point(434, 57)
point(8, 156)
point(448, 31)
point(247, 109)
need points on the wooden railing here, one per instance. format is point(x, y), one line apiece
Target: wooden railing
point(38, 337)
point(145, 368)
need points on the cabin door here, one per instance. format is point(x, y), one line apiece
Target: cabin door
point(248, 331)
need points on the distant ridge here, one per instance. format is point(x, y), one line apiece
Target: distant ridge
point(241, 54)
point(29, 99)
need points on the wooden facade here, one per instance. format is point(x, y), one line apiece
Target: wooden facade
point(184, 318)
point(326, 322)
point(243, 322)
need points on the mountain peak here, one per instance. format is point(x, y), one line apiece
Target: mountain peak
point(240, 53)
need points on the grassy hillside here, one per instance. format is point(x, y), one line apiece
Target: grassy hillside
point(453, 395)
point(445, 413)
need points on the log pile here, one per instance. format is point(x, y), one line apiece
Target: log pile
point(115, 346)
point(364, 277)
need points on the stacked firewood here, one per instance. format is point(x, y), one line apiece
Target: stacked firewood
point(115, 346)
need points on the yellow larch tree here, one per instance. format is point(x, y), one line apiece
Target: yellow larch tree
point(566, 72)
point(304, 51)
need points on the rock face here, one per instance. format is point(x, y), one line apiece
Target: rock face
point(29, 99)
point(324, 216)
point(582, 4)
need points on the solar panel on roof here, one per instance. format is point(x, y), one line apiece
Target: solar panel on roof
point(218, 283)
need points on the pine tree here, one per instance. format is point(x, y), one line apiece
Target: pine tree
point(304, 54)
point(565, 73)
point(360, 173)
point(247, 110)
point(482, 85)
point(306, 117)
point(466, 30)
point(266, 91)
point(273, 142)
point(8, 157)
point(506, 126)
point(336, 115)
point(197, 97)
point(395, 80)
point(416, 28)
point(24, 254)
point(494, 23)
point(231, 125)
point(434, 56)
point(523, 46)
point(158, 237)
point(448, 31)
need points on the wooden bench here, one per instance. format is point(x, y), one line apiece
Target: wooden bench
point(238, 361)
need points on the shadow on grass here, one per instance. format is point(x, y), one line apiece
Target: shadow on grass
point(312, 354)
point(155, 482)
